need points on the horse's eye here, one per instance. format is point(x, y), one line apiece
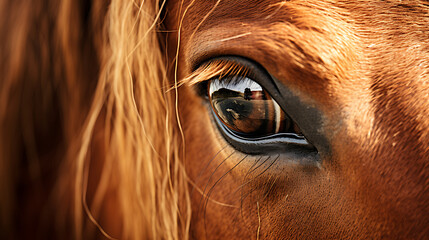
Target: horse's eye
point(242, 96)
point(247, 109)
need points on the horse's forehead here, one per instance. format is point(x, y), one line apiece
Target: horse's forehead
point(270, 32)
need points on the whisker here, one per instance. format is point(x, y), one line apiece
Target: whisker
point(271, 187)
point(275, 160)
point(256, 168)
point(214, 185)
point(212, 200)
point(208, 181)
point(251, 167)
point(245, 177)
point(205, 168)
point(271, 164)
point(252, 170)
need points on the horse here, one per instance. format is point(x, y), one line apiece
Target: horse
point(191, 119)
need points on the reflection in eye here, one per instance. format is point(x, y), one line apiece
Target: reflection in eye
point(247, 109)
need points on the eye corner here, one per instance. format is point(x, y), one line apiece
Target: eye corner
point(201, 89)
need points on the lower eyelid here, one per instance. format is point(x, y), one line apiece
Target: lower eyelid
point(264, 146)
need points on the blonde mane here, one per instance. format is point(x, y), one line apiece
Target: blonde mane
point(104, 82)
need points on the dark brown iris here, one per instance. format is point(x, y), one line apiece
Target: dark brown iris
point(247, 109)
